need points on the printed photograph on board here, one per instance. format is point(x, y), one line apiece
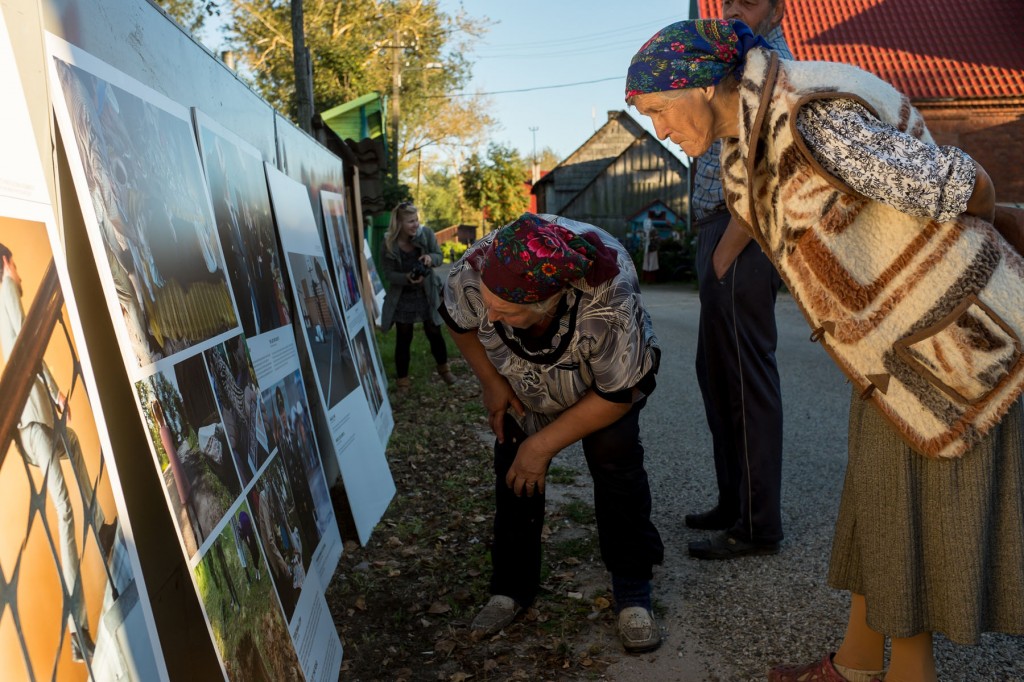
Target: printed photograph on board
point(243, 613)
point(367, 372)
point(238, 395)
point(289, 417)
point(345, 269)
point(241, 206)
point(375, 283)
point(145, 195)
point(324, 327)
point(278, 519)
point(191, 447)
point(69, 577)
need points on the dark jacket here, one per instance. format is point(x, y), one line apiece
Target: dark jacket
point(395, 279)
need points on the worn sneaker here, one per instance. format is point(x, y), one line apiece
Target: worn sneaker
point(499, 612)
point(637, 630)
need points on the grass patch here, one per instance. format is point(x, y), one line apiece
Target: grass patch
point(579, 511)
point(403, 603)
point(561, 475)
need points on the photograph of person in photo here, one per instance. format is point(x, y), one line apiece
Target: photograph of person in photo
point(191, 448)
point(276, 518)
point(367, 373)
point(51, 458)
point(325, 330)
point(146, 190)
point(238, 394)
point(290, 449)
point(241, 206)
point(249, 630)
point(296, 421)
point(344, 259)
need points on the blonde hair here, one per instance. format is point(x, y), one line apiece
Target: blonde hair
point(406, 208)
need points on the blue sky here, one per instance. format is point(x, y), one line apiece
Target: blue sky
point(539, 43)
point(535, 44)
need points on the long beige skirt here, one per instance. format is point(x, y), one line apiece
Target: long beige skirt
point(933, 545)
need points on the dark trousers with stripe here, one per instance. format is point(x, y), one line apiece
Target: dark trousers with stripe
point(630, 543)
point(739, 381)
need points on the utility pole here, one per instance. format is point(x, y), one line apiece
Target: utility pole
point(396, 88)
point(534, 170)
point(303, 69)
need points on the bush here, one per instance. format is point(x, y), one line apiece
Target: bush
point(452, 251)
point(675, 259)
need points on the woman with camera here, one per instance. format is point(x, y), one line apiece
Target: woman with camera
point(413, 294)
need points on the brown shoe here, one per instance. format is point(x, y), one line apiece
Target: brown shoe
point(403, 384)
point(446, 374)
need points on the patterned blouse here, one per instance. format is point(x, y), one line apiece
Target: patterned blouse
point(602, 337)
point(884, 164)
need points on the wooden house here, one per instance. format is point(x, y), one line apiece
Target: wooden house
point(663, 219)
point(961, 64)
point(618, 171)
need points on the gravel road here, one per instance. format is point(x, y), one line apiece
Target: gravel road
point(732, 620)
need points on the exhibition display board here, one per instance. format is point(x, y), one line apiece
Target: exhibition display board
point(175, 443)
point(375, 283)
point(342, 407)
point(360, 334)
point(73, 603)
point(189, 268)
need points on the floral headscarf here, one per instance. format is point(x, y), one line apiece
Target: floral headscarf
point(690, 54)
point(531, 260)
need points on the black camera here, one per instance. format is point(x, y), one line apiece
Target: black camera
point(420, 270)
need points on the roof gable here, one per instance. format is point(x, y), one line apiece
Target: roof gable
point(598, 151)
point(928, 49)
point(644, 145)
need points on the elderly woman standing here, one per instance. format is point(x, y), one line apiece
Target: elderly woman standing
point(884, 240)
point(548, 314)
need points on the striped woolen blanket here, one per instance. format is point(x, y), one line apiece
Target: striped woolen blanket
point(925, 318)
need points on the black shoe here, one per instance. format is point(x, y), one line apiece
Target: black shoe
point(725, 546)
point(712, 519)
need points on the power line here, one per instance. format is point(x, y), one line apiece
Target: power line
point(539, 87)
point(588, 36)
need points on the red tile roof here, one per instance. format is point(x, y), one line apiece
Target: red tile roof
point(928, 49)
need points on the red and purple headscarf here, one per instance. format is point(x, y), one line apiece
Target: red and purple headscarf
point(531, 260)
point(690, 54)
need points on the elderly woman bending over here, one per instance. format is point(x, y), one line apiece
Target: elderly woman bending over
point(548, 314)
point(884, 240)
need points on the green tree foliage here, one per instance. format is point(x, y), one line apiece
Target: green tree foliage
point(353, 46)
point(440, 200)
point(494, 184)
point(546, 160)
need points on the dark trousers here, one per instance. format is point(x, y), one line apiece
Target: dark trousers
point(403, 345)
point(630, 544)
point(739, 382)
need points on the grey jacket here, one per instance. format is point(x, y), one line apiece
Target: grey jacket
point(395, 279)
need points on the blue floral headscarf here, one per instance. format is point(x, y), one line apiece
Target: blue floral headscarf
point(690, 54)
